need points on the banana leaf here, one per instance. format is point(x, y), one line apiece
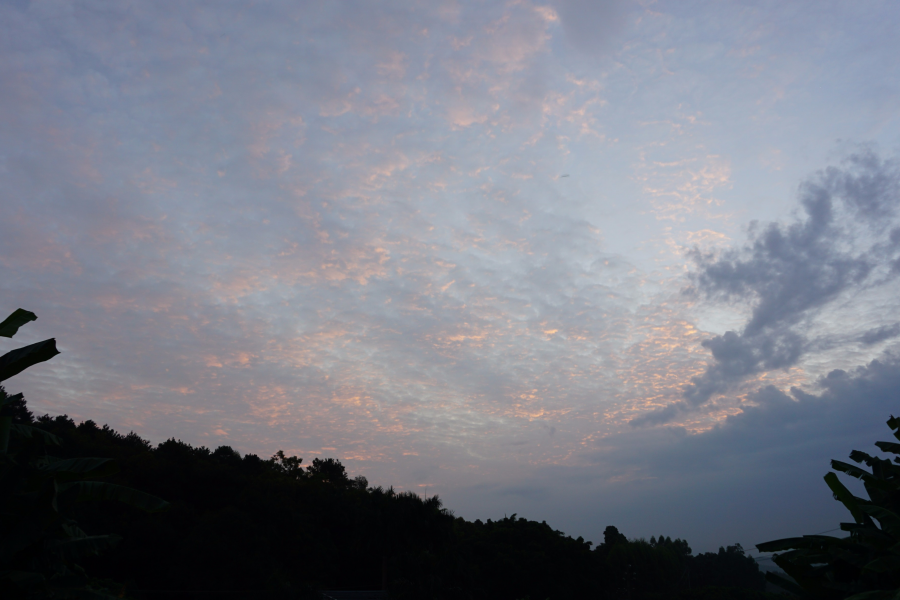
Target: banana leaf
point(890, 447)
point(36, 585)
point(88, 594)
point(75, 548)
point(861, 566)
point(82, 491)
point(785, 584)
point(11, 324)
point(889, 521)
point(16, 361)
point(79, 468)
point(852, 470)
point(26, 531)
point(876, 595)
point(847, 499)
point(27, 431)
point(884, 564)
point(894, 423)
point(5, 428)
point(24, 580)
point(807, 541)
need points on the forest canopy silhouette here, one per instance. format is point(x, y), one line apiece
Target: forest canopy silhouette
point(246, 523)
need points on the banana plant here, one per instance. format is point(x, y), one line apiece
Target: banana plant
point(16, 361)
point(39, 542)
point(865, 565)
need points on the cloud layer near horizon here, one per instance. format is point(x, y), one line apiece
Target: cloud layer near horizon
point(447, 243)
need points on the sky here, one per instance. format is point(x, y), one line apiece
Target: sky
point(628, 263)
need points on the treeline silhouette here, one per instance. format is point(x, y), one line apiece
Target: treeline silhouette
point(246, 523)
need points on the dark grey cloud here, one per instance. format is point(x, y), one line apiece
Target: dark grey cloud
point(798, 434)
point(842, 241)
point(795, 269)
point(850, 409)
point(879, 334)
point(779, 441)
point(764, 464)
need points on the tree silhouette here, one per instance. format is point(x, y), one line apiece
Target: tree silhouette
point(328, 470)
point(611, 536)
point(15, 407)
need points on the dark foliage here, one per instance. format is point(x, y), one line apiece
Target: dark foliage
point(517, 558)
point(730, 567)
point(42, 545)
point(14, 406)
point(247, 523)
point(269, 527)
point(865, 565)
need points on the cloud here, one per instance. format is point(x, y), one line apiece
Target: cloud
point(879, 334)
point(765, 463)
point(774, 430)
point(843, 241)
point(591, 25)
point(776, 441)
point(255, 229)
